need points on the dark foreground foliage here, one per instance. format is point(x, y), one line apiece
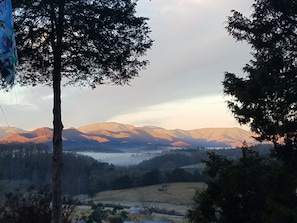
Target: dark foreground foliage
point(253, 189)
point(33, 206)
point(101, 214)
point(265, 98)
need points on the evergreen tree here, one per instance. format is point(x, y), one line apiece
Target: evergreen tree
point(34, 206)
point(252, 190)
point(257, 189)
point(81, 42)
point(266, 99)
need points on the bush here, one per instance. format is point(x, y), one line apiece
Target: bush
point(33, 206)
point(253, 189)
point(99, 213)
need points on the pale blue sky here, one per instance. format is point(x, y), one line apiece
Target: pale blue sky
point(181, 88)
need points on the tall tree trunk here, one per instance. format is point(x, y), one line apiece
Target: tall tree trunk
point(57, 164)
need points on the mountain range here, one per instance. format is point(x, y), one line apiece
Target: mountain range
point(116, 136)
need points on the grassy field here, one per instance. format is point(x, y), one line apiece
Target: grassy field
point(169, 197)
point(173, 193)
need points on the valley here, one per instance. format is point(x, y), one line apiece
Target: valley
point(166, 202)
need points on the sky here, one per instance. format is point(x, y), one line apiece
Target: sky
point(181, 88)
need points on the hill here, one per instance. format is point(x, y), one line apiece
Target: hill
point(109, 136)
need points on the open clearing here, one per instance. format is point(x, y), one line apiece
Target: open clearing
point(168, 197)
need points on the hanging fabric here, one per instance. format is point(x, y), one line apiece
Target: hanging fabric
point(8, 53)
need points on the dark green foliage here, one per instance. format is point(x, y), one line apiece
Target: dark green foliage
point(34, 206)
point(173, 159)
point(25, 161)
point(266, 99)
point(179, 175)
point(84, 43)
point(150, 178)
point(123, 182)
point(30, 164)
point(96, 42)
point(84, 175)
point(288, 155)
point(22, 165)
point(253, 189)
point(100, 214)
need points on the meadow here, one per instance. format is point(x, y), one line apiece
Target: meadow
point(169, 201)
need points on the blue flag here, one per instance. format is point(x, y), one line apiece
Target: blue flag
point(8, 53)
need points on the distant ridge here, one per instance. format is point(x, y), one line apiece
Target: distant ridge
point(6, 130)
point(117, 136)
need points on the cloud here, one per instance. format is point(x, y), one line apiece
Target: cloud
point(191, 51)
point(185, 114)
point(190, 43)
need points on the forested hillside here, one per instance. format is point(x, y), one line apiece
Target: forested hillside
point(23, 165)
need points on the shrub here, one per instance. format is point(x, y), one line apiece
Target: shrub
point(33, 206)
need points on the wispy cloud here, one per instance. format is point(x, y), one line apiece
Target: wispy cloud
point(181, 88)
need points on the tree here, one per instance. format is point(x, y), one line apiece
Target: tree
point(180, 175)
point(266, 99)
point(150, 178)
point(122, 182)
point(253, 189)
point(33, 205)
point(82, 42)
point(100, 214)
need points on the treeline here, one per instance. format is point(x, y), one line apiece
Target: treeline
point(188, 156)
point(174, 159)
point(23, 165)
